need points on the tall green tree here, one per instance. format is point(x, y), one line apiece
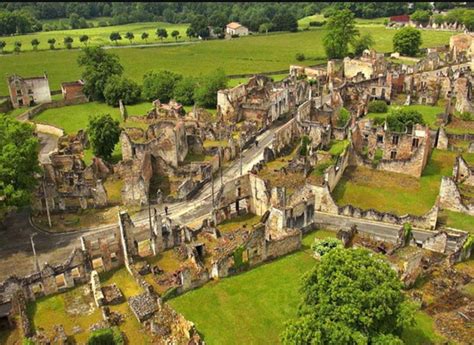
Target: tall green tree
point(145, 36)
point(407, 41)
point(98, 67)
point(35, 43)
point(84, 39)
point(161, 33)
point(2, 46)
point(362, 43)
point(68, 42)
point(104, 133)
point(198, 27)
point(115, 37)
point(51, 42)
point(17, 46)
point(352, 296)
point(205, 94)
point(184, 90)
point(175, 34)
point(421, 17)
point(130, 36)
point(18, 163)
point(341, 31)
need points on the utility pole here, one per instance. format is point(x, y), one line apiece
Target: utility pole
point(37, 267)
point(212, 191)
point(46, 201)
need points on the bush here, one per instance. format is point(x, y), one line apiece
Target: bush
point(106, 336)
point(399, 120)
point(184, 90)
point(378, 107)
point(104, 133)
point(344, 116)
point(121, 88)
point(407, 41)
point(322, 247)
point(300, 57)
point(234, 36)
point(317, 23)
point(466, 116)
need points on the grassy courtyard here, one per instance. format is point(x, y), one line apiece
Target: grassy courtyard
point(428, 112)
point(250, 308)
point(252, 54)
point(391, 192)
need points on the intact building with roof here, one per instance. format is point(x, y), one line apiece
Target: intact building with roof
point(235, 28)
point(25, 92)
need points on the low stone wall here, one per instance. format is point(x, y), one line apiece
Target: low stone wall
point(29, 114)
point(48, 129)
point(288, 243)
point(464, 137)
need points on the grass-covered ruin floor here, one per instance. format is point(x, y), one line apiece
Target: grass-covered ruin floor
point(392, 192)
point(428, 112)
point(252, 307)
point(76, 311)
point(244, 221)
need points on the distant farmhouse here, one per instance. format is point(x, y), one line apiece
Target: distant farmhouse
point(401, 20)
point(235, 28)
point(25, 92)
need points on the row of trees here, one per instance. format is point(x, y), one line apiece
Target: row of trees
point(161, 33)
point(68, 40)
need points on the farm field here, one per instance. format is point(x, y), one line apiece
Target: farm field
point(251, 308)
point(429, 113)
point(250, 54)
point(97, 36)
point(395, 193)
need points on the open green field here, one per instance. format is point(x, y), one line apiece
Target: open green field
point(250, 54)
point(97, 36)
point(457, 220)
point(429, 113)
point(391, 192)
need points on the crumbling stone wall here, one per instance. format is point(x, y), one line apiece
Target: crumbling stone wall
point(462, 172)
point(450, 197)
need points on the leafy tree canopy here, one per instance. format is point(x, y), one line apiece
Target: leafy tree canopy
point(341, 31)
point(160, 85)
point(104, 133)
point(18, 162)
point(121, 88)
point(407, 41)
point(99, 66)
point(352, 296)
point(205, 94)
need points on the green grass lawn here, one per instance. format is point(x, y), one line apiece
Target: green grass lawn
point(97, 36)
point(457, 220)
point(75, 117)
point(391, 192)
point(248, 220)
point(250, 308)
point(423, 332)
point(429, 113)
point(252, 54)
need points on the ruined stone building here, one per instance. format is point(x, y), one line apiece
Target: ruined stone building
point(370, 65)
point(172, 109)
point(260, 100)
point(68, 183)
point(25, 92)
point(405, 153)
point(461, 47)
point(73, 90)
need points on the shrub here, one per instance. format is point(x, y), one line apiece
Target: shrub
point(305, 140)
point(234, 36)
point(466, 116)
point(317, 23)
point(378, 107)
point(184, 90)
point(322, 247)
point(300, 57)
point(106, 336)
point(399, 120)
point(344, 116)
point(205, 94)
point(160, 85)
